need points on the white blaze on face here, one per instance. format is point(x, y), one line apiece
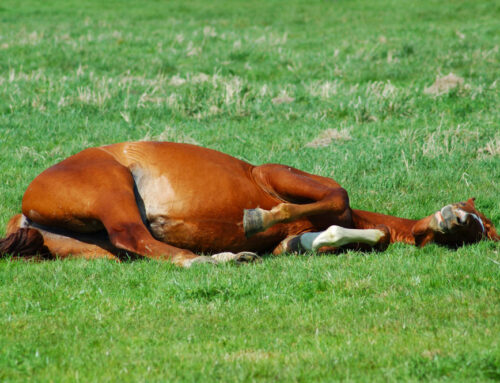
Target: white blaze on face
point(462, 215)
point(337, 236)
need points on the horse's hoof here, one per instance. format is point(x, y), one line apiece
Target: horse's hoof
point(253, 221)
point(247, 257)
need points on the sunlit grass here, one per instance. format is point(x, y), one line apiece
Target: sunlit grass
point(335, 88)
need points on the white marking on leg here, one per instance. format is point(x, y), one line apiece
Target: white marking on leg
point(225, 257)
point(187, 263)
point(338, 236)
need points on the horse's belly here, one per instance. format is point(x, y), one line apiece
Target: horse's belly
point(199, 213)
point(213, 236)
point(199, 235)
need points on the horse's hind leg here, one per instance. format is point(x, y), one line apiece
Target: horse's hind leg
point(79, 246)
point(45, 243)
point(91, 191)
point(57, 244)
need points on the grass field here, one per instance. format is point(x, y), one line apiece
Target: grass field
point(263, 81)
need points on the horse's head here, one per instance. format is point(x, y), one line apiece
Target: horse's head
point(455, 225)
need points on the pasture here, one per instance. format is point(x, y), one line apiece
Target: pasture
point(339, 88)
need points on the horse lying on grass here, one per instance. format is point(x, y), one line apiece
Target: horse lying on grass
point(169, 201)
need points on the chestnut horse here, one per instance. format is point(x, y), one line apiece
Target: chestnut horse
point(170, 201)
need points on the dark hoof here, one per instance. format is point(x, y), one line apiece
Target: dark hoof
point(247, 257)
point(253, 222)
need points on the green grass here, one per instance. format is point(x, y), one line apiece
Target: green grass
point(74, 75)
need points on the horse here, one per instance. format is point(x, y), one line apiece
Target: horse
point(188, 204)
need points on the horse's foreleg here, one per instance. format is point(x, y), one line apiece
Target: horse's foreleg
point(335, 237)
point(316, 195)
point(401, 229)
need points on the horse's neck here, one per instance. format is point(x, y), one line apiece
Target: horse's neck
point(401, 229)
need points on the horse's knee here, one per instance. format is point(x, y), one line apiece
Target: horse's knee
point(341, 200)
point(340, 205)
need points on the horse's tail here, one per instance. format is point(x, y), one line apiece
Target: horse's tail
point(25, 242)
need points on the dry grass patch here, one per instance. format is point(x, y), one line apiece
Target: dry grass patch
point(283, 98)
point(381, 90)
point(323, 89)
point(492, 148)
point(443, 142)
point(444, 85)
point(177, 81)
point(170, 134)
point(326, 137)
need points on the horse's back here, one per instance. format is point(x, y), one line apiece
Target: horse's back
point(183, 180)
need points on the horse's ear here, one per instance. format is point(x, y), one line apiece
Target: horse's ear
point(491, 232)
point(470, 201)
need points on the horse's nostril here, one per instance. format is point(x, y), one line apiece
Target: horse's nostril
point(449, 217)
